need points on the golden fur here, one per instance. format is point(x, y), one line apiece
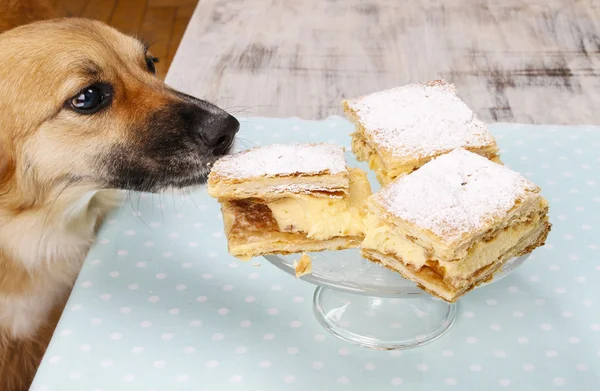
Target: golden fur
point(59, 168)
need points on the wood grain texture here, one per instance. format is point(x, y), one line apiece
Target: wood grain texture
point(99, 10)
point(530, 61)
point(128, 16)
point(156, 30)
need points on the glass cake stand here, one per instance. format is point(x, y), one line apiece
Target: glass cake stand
point(366, 304)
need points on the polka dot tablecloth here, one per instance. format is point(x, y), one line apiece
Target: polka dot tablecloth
point(161, 306)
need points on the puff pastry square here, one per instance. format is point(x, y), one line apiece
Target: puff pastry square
point(400, 129)
point(453, 223)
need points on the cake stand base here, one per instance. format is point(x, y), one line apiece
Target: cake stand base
point(383, 323)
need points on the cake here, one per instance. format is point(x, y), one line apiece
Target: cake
point(400, 129)
point(282, 199)
point(453, 223)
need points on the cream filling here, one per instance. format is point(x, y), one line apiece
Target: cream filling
point(384, 238)
point(325, 217)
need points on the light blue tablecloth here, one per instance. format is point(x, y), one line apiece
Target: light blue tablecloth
point(160, 305)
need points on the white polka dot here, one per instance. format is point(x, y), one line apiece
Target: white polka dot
point(370, 367)
point(114, 274)
point(207, 276)
point(161, 276)
point(212, 364)
point(141, 264)
point(298, 299)
point(265, 364)
point(116, 336)
point(106, 363)
point(343, 380)
point(128, 378)
point(539, 301)
point(250, 299)
point(276, 287)
point(500, 353)
point(133, 287)
point(574, 340)
point(449, 353)
point(587, 303)
point(472, 340)
point(595, 327)
point(96, 321)
point(122, 252)
point(395, 353)
point(504, 382)
point(180, 287)
point(518, 314)
point(450, 381)
point(292, 351)
point(167, 254)
point(253, 276)
point(319, 337)
point(145, 323)
point(245, 323)
point(580, 279)
point(189, 350)
point(212, 254)
point(344, 352)
point(137, 349)
point(182, 378)
point(148, 244)
point(159, 364)
point(523, 340)
point(469, 314)
point(289, 379)
point(495, 327)
point(272, 311)
point(201, 299)
point(227, 288)
point(85, 348)
point(317, 365)
point(153, 299)
point(475, 368)
point(193, 244)
point(105, 296)
point(581, 367)
point(513, 289)
point(236, 379)
point(551, 353)
point(528, 367)
point(167, 336)
point(491, 302)
point(560, 290)
point(75, 375)
point(546, 326)
point(218, 337)
point(223, 311)
point(422, 367)
point(86, 284)
point(76, 307)
point(396, 381)
point(534, 278)
point(559, 381)
point(295, 324)
point(54, 359)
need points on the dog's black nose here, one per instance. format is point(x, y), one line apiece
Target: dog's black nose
point(219, 132)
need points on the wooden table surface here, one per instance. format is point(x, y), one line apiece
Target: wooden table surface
point(529, 61)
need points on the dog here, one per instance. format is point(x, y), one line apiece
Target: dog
point(82, 118)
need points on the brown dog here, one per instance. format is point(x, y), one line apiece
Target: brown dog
point(81, 114)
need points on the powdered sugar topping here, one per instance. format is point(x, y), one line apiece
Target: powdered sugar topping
point(420, 120)
point(455, 194)
point(280, 160)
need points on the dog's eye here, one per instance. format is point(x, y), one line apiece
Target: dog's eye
point(150, 61)
point(92, 98)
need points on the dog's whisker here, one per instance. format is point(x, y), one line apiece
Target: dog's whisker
point(137, 212)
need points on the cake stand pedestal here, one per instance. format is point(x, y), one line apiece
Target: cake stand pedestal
point(366, 304)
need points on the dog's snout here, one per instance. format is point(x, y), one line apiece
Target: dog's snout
point(218, 133)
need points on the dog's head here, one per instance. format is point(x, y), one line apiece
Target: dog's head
point(79, 103)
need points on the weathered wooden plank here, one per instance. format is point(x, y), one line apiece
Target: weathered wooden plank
point(128, 15)
point(70, 8)
point(182, 19)
point(156, 29)
point(99, 10)
point(532, 61)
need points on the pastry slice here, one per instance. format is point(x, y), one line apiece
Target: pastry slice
point(283, 199)
point(400, 129)
point(453, 223)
